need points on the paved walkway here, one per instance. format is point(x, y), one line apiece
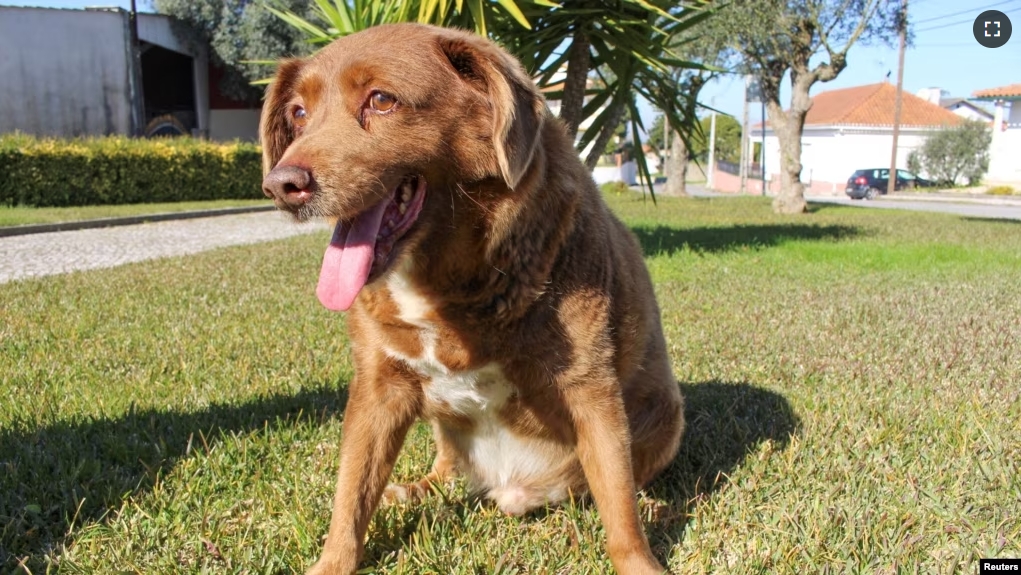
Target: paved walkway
point(61, 252)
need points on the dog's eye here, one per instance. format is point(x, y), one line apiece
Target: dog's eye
point(382, 102)
point(299, 117)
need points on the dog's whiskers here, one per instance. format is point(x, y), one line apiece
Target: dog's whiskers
point(476, 202)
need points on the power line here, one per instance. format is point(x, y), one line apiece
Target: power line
point(941, 45)
point(958, 23)
point(975, 11)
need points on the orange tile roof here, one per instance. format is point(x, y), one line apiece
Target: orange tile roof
point(872, 105)
point(1011, 91)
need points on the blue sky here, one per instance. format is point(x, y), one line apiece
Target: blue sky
point(945, 53)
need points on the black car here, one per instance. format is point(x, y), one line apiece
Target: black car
point(871, 183)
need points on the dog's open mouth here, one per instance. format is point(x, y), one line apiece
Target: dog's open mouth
point(361, 248)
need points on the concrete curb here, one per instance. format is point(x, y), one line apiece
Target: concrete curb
point(971, 199)
point(127, 220)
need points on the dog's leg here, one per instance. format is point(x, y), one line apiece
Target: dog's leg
point(655, 409)
point(444, 469)
point(380, 409)
point(603, 447)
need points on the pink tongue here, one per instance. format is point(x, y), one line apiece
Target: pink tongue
point(348, 259)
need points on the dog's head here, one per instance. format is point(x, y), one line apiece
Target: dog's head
point(377, 124)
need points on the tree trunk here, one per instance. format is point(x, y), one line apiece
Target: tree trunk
point(788, 127)
point(573, 100)
point(676, 168)
point(599, 145)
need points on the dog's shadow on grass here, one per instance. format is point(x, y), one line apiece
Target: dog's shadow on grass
point(666, 240)
point(726, 422)
point(75, 473)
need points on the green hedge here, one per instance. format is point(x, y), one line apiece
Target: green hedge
point(117, 170)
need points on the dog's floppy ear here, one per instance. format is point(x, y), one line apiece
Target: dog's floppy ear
point(274, 130)
point(518, 107)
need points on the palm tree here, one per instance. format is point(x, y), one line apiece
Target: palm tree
point(626, 44)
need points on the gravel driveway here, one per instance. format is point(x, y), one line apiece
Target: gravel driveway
point(61, 252)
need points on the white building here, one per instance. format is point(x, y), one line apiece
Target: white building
point(852, 129)
point(69, 73)
point(1005, 149)
point(960, 106)
point(603, 173)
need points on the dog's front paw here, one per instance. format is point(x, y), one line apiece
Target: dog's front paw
point(332, 567)
point(406, 492)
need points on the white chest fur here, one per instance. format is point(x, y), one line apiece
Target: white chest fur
point(516, 471)
point(476, 393)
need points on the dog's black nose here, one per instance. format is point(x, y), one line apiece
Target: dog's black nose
point(289, 184)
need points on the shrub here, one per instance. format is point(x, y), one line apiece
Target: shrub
point(617, 188)
point(1000, 191)
point(45, 172)
point(953, 153)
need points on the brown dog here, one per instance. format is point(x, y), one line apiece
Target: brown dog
point(490, 289)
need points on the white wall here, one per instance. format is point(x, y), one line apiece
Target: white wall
point(833, 154)
point(1005, 158)
point(64, 72)
point(965, 111)
point(1014, 116)
point(626, 173)
point(1005, 150)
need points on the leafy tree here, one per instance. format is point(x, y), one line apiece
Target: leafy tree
point(618, 140)
point(238, 33)
point(954, 153)
point(655, 134)
point(690, 44)
point(676, 164)
point(623, 44)
point(728, 138)
point(777, 39)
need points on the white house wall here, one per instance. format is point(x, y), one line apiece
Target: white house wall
point(1005, 149)
point(832, 154)
point(966, 112)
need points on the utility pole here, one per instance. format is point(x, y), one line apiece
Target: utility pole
point(712, 149)
point(745, 139)
point(762, 165)
point(135, 75)
point(902, 26)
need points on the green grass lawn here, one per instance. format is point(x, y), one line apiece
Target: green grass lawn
point(19, 216)
point(853, 403)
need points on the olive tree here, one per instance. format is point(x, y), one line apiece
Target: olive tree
point(804, 42)
point(240, 34)
point(953, 153)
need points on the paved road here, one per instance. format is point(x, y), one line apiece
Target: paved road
point(992, 208)
point(972, 210)
point(60, 252)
